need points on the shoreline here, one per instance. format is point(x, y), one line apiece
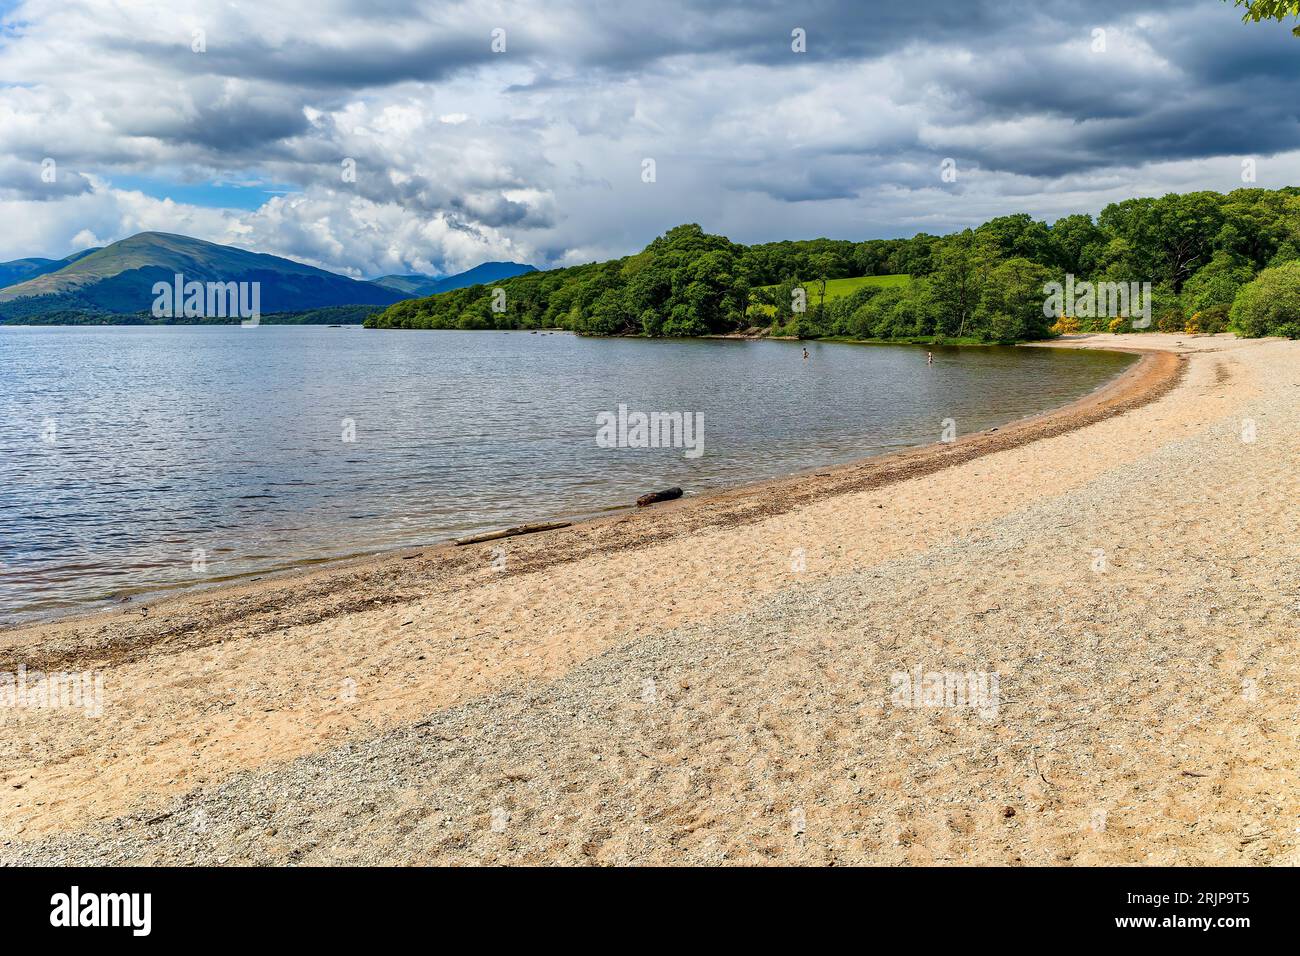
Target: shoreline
point(670, 685)
point(1146, 380)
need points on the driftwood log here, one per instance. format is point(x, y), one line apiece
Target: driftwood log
point(511, 532)
point(667, 494)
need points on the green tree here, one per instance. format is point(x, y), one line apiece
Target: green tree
point(1011, 303)
point(1018, 236)
point(823, 265)
point(1200, 251)
point(962, 264)
point(1279, 10)
point(1167, 239)
point(1269, 304)
point(783, 300)
point(1257, 223)
point(1216, 283)
point(914, 256)
point(1078, 244)
point(608, 314)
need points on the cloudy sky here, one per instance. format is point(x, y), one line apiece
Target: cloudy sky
point(239, 121)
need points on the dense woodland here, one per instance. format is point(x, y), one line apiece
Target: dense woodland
point(1215, 262)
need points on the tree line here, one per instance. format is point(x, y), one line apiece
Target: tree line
point(1214, 262)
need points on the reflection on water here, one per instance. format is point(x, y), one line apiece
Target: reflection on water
point(139, 458)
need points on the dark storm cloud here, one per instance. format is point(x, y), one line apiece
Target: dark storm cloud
point(1008, 69)
point(424, 42)
point(42, 181)
point(464, 153)
point(1199, 85)
point(1223, 88)
point(300, 62)
point(245, 126)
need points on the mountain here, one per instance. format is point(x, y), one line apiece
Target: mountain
point(421, 285)
point(20, 270)
point(119, 279)
point(414, 285)
point(484, 273)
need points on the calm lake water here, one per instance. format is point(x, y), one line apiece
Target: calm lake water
point(125, 452)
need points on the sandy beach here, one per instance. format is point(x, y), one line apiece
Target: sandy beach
point(710, 681)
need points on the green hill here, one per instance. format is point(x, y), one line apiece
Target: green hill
point(837, 288)
point(410, 285)
point(1204, 262)
point(119, 279)
point(20, 270)
point(762, 312)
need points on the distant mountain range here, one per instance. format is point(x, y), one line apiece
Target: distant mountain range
point(118, 280)
point(20, 270)
point(418, 286)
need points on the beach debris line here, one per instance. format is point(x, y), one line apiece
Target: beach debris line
point(668, 494)
point(511, 532)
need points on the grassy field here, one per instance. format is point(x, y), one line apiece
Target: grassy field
point(838, 288)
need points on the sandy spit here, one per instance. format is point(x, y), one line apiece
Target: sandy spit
point(713, 681)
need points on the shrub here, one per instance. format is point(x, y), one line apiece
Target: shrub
point(1065, 325)
point(1214, 319)
point(1216, 283)
point(1171, 320)
point(1269, 304)
point(652, 322)
point(1003, 327)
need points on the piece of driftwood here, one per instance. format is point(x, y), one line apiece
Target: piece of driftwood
point(511, 532)
point(667, 494)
